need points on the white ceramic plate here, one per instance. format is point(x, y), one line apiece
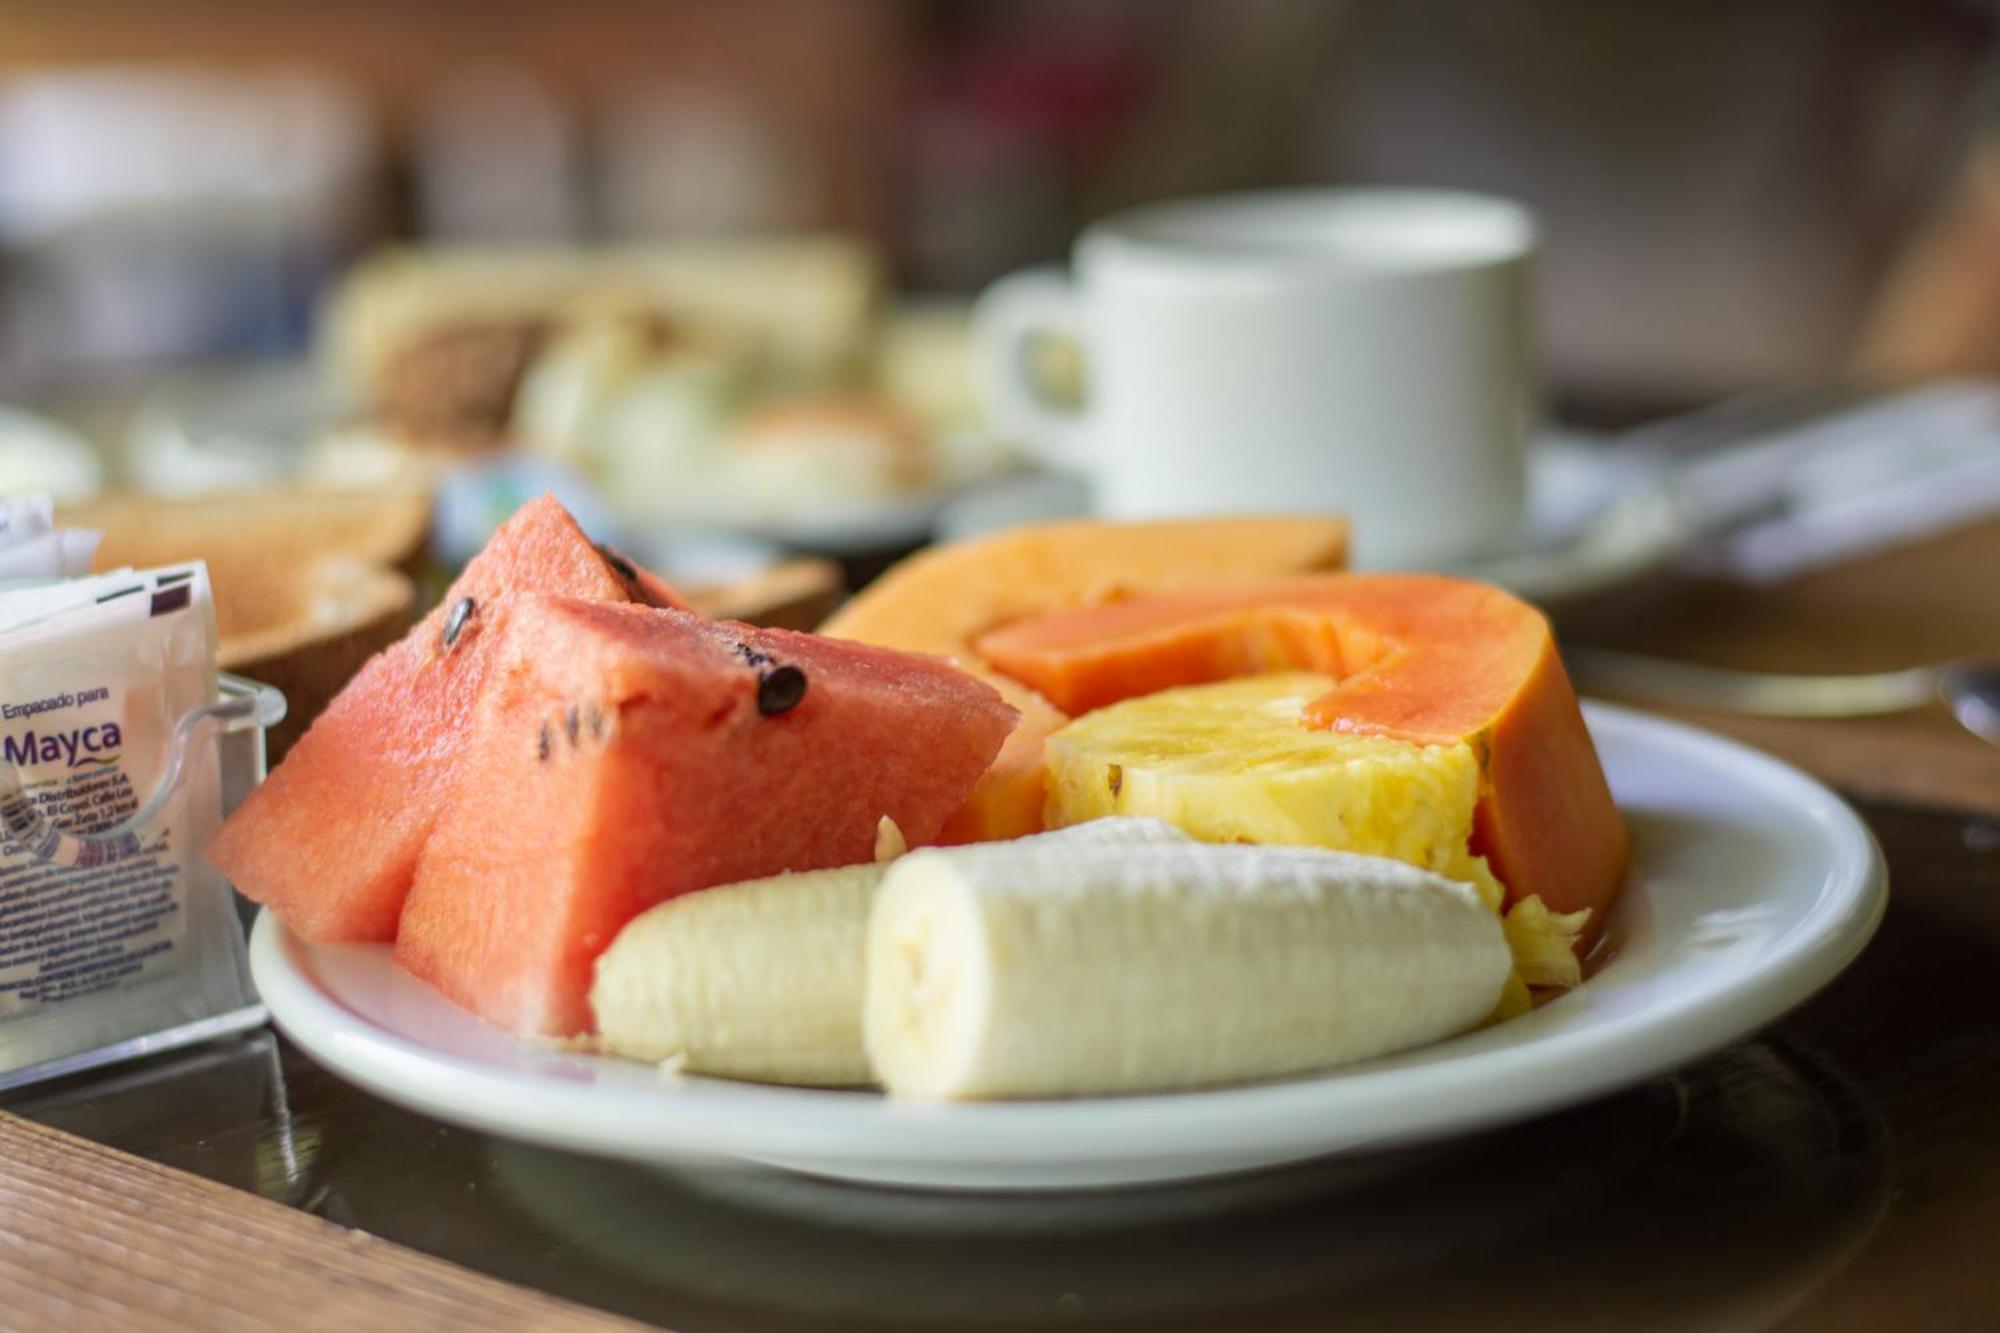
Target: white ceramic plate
point(1752, 886)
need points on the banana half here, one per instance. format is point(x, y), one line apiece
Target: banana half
point(1024, 970)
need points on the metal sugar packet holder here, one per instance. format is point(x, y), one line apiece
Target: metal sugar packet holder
point(235, 724)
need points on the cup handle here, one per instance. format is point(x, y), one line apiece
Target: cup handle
point(1006, 320)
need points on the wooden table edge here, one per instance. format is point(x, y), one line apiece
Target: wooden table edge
point(93, 1237)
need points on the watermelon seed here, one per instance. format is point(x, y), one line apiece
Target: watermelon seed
point(620, 565)
point(571, 721)
point(779, 690)
point(751, 657)
point(542, 744)
point(594, 718)
point(454, 624)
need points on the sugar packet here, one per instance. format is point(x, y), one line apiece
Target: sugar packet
point(33, 547)
point(116, 936)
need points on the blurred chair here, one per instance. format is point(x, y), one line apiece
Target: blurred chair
point(1938, 313)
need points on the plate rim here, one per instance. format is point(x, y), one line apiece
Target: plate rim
point(1269, 1120)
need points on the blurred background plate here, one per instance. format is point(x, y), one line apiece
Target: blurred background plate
point(230, 427)
point(1595, 519)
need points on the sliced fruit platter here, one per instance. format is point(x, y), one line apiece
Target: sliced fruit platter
point(1078, 810)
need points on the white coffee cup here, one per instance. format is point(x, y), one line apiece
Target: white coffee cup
point(1360, 350)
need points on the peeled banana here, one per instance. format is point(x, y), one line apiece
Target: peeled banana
point(764, 980)
point(1022, 970)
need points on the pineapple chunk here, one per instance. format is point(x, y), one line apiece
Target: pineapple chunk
point(1231, 762)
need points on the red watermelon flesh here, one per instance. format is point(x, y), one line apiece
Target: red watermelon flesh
point(330, 840)
point(622, 757)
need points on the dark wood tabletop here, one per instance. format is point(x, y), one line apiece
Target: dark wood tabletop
point(1839, 1171)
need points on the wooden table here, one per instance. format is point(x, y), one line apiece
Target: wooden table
point(1841, 1171)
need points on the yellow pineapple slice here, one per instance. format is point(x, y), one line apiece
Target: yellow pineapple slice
point(1231, 762)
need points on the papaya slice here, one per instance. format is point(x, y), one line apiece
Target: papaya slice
point(1007, 800)
point(1420, 658)
point(941, 599)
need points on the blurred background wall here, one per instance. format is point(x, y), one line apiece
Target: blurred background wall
point(1727, 188)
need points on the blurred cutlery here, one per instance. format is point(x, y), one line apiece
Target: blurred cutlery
point(1969, 687)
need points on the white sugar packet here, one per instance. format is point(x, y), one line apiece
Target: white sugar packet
point(33, 603)
point(110, 946)
point(32, 547)
point(64, 554)
point(25, 517)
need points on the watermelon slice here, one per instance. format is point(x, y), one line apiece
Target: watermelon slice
point(330, 840)
point(624, 756)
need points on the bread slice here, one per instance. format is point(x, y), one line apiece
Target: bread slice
point(229, 527)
